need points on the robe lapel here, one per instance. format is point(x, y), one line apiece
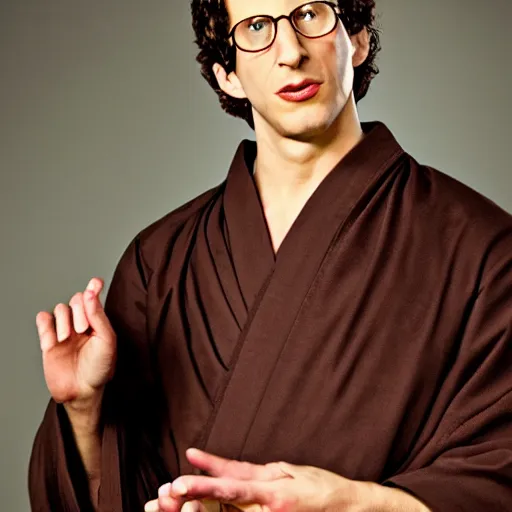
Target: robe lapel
point(238, 239)
point(277, 296)
point(249, 240)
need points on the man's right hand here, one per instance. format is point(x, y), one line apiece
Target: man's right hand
point(79, 349)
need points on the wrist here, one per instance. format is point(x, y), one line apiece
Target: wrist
point(389, 499)
point(84, 414)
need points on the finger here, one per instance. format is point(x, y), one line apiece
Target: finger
point(45, 323)
point(226, 490)
point(152, 506)
point(95, 314)
point(166, 504)
point(169, 504)
point(221, 467)
point(237, 507)
point(168, 501)
point(80, 322)
point(197, 506)
point(95, 285)
point(191, 506)
point(62, 313)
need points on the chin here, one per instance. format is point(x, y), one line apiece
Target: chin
point(304, 133)
point(303, 123)
point(307, 127)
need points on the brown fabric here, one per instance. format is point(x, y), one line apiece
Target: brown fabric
point(376, 343)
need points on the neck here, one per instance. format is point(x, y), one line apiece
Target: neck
point(288, 167)
point(288, 171)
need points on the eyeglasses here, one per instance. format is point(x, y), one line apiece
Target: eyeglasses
point(312, 20)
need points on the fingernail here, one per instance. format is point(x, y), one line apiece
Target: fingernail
point(165, 490)
point(90, 286)
point(179, 488)
point(152, 506)
point(192, 506)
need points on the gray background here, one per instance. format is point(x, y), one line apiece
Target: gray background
point(106, 125)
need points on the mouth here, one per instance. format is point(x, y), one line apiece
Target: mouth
point(298, 86)
point(300, 91)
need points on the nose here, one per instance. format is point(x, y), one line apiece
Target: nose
point(290, 51)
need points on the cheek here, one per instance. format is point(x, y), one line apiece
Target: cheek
point(342, 52)
point(254, 74)
point(336, 55)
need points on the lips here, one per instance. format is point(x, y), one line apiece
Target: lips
point(297, 87)
point(301, 91)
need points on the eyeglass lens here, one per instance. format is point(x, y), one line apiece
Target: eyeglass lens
point(314, 19)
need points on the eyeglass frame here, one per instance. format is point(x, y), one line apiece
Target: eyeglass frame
point(288, 17)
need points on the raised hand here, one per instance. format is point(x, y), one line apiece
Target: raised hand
point(78, 346)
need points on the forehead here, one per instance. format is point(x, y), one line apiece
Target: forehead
point(241, 9)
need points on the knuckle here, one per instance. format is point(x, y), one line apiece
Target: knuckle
point(246, 466)
point(278, 469)
point(285, 467)
point(232, 465)
point(227, 495)
point(43, 333)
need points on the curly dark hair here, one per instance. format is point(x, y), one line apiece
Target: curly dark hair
point(210, 21)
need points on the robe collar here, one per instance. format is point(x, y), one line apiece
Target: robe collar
point(249, 239)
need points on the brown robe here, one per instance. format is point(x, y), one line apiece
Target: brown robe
point(376, 344)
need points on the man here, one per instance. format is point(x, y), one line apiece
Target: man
point(333, 305)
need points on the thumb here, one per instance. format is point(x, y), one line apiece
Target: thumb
point(96, 315)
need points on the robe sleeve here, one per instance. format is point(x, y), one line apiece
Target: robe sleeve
point(466, 465)
point(131, 467)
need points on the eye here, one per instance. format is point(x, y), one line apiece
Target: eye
point(306, 15)
point(257, 25)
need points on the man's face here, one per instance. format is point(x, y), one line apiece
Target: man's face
point(292, 59)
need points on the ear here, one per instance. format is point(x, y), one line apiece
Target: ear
point(230, 84)
point(361, 45)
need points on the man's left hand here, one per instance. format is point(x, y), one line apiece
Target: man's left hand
point(274, 487)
